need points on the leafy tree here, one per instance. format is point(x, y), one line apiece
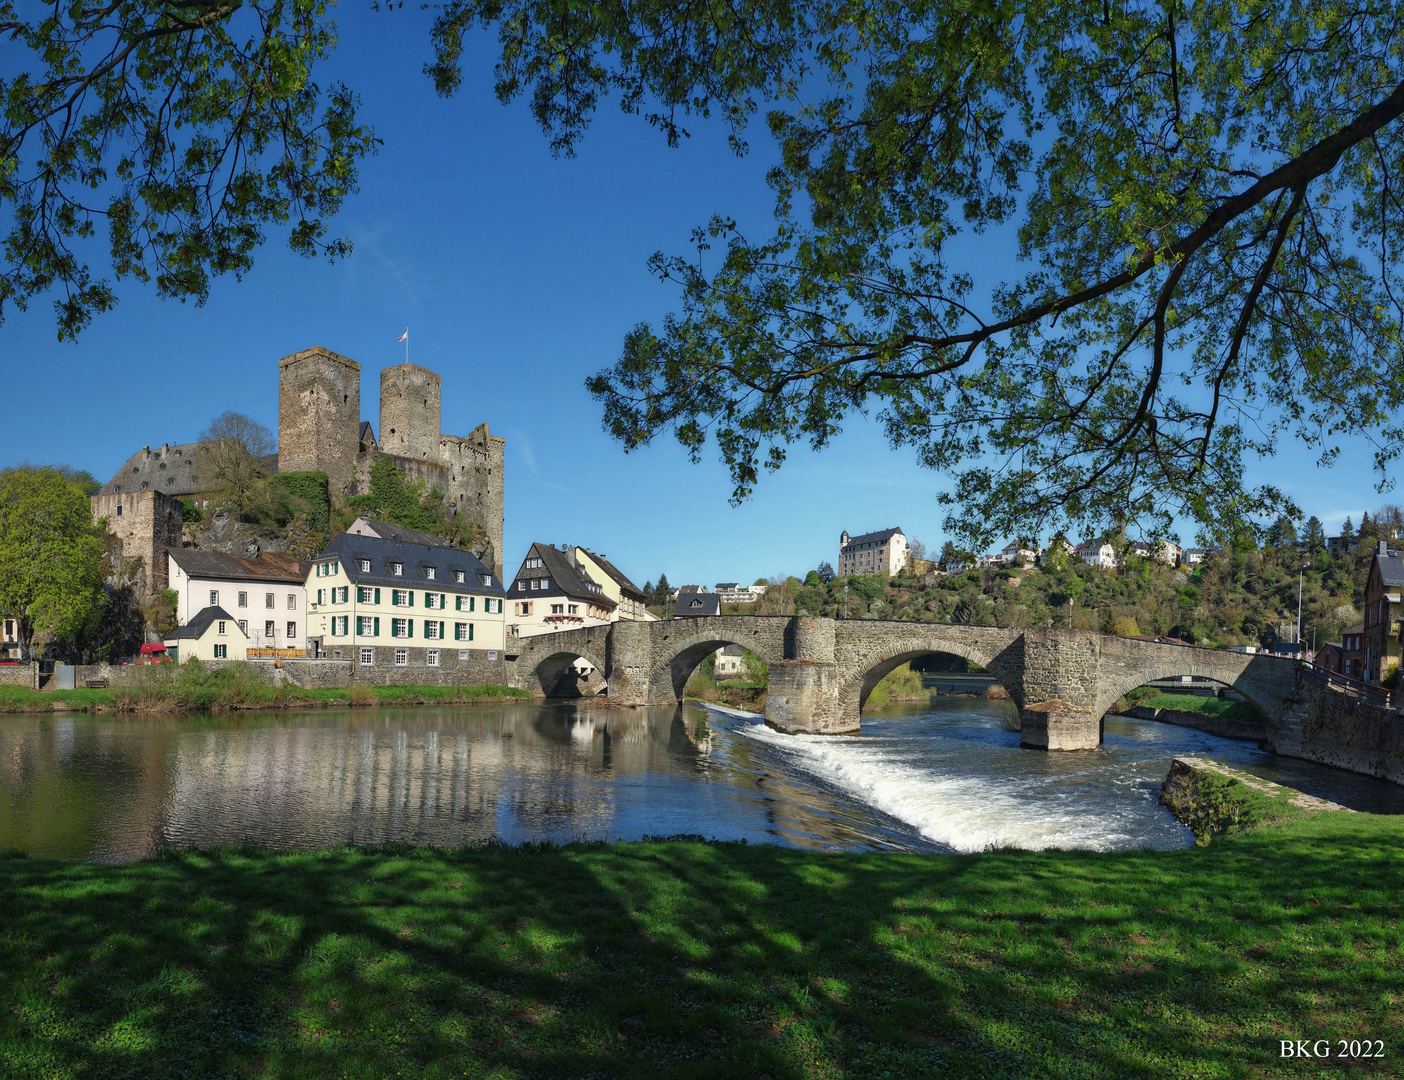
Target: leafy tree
point(917, 548)
point(812, 580)
point(49, 556)
point(1202, 194)
point(182, 130)
point(826, 571)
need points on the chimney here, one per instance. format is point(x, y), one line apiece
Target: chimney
point(1383, 549)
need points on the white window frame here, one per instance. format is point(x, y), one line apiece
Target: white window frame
point(402, 658)
point(399, 628)
point(431, 657)
point(367, 656)
point(399, 598)
point(221, 626)
point(429, 572)
point(364, 565)
point(460, 631)
point(243, 599)
point(214, 598)
point(458, 575)
point(292, 601)
point(397, 569)
point(431, 629)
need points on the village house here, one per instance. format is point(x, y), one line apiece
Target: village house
point(629, 599)
point(553, 590)
point(1382, 610)
point(729, 592)
point(1191, 556)
point(211, 635)
point(1097, 553)
point(729, 663)
point(388, 603)
point(881, 552)
point(696, 605)
point(266, 596)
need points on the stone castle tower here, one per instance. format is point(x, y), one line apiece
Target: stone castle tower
point(319, 428)
point(319, 413)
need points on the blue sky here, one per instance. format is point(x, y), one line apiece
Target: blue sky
point(518, 276)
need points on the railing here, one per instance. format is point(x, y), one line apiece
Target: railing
point(1367, 692)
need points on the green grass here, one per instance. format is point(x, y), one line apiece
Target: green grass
point(901, 683)
point(1204, 706)
point(191, 687)
point(694, 960)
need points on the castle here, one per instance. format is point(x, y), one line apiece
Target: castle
point(320, 429)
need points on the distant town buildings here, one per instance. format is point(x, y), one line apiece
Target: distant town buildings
point(696, 605)
point(730, 592)
point(881, 552)
point(1382, 612)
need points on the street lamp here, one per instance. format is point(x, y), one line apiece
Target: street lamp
point(1300, 573)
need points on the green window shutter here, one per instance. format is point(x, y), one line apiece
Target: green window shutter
point(472, 602)
point(443, 602)
point(377, 600)
point(410, 594)
point(377, 623)
point(441, 628)
point(470, 631)
point(409, 628)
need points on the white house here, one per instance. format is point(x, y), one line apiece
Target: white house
point(1097, 553)
point(881, 552)
point(554, 590)
point(266, 596)
point(210, 635)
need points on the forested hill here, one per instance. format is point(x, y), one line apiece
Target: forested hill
point(1234, 598)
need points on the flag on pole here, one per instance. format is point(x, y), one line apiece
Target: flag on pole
point(403, 337)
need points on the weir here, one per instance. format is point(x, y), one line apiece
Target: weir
point(1062, 681)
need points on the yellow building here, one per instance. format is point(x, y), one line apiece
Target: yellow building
point(212, 635)
point(395, 604)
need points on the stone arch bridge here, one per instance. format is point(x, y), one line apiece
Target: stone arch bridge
point(822, 670)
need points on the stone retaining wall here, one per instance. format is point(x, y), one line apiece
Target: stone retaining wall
point(18, 675)
point(1341, 730)
point(1224, 727)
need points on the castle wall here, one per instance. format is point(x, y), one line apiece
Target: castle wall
point(319, 415)
point(148, 524)
point(476, 482)
point(410, 412)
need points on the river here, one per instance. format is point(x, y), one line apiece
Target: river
point(948, 776)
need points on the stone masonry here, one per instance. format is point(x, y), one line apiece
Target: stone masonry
point(147, 524)
point(409, 412)
point(319, 415)
point(822, 670)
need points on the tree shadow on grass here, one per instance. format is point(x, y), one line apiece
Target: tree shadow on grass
point(690, 959)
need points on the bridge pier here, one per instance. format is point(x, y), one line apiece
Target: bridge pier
point(1056, 725)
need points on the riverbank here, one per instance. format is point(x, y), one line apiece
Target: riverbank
point(216, 694)
point(686, 959)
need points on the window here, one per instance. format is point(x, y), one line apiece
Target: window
point(363, 595)
point(401, 657)
point(367, 657)
point(339, 625)
point(431, 658)
point(460, 631)
point(524, 609)
point(486, 579)
point(535, 584)
point(221, 652)
point(431, 628)
point(533, 563)
point(491, 606)
point(292, 601)
point(244, 626)
point(397, 569)
point(545, 583)
point(364, 564)
point(432, 600)
point(243, 599)
point(429, 572)
point(292, 630)
point(557, 609)
point(400, 597)
point(521, 586)
point(268, 599)
point(463, 654)
point(268, 629)
point(399, 628)
point(365, 625)
point(345, 594)
point(575, 609)
point(214, 598)
point(458, 575)
point(119, 509)
point(221, 626)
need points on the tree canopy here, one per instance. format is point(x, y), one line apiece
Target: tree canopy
point(1203, 200)
point(182, 130)
point(50, 552)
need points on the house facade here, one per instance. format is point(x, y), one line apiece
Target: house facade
point(1382, 611)
point(732, 593)
point(554, 590)
point(881, 552)
point(265, 596)
point(1191, 556)
point(1097, 553)
point(1353, 651)
point(211, 635)
point(391, 604)
point(696, 605)
point(629, 599)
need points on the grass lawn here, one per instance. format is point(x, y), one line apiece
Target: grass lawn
point(1205, 706)
point(678, 959)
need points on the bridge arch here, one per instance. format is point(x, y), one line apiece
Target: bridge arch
point(1268, 705)
point(869, 670)
point(682, 655)
point(549, 673)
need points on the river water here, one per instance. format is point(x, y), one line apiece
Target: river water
point(948, 776)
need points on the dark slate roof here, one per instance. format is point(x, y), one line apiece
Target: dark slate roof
point(571, 579)
point(388, 531)
point(696, 605)
point(368, 437)
point(350, 548)
point(1391, 568)
point(625, 585)
point(727, 586)
point(217, 566)
point(872, 537)
point(187, 469)
point(197, 626)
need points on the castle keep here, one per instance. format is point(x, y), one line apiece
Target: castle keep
point(320, 429)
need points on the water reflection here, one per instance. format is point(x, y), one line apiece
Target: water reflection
point(948, 776)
